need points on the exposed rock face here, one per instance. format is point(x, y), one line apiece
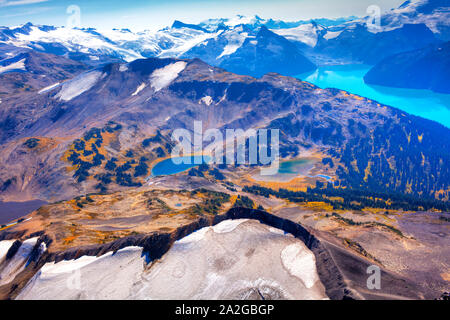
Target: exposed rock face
point(427, 68)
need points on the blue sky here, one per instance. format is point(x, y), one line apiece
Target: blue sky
point(153, 14)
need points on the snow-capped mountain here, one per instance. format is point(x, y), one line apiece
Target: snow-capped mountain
point(265, 45)
point(92, 46)
point(215, 41)
point(435, 14)
point(414, 25)
point(244, 51)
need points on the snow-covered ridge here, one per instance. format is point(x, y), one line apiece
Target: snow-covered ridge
point(127, 45)
point(436, 17)
point(213, 40)
point(306, 33)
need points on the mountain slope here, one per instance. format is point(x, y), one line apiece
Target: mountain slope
point(427, 68)
point(254, 54)
point(23, 71)
point(231, 46)
point(135, 108)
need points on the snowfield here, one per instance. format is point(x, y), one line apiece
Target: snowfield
point(16, 66)
point(82, 83)
point(161, 78)
point(139, 89)
point(49, 88)
point(306, 33)
point(110, 276)
point(219, 262)
point(301, 263)
point(235, 39)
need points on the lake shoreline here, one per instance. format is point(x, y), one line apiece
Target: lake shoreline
point(349, 77)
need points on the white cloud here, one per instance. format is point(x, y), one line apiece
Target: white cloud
point(10, 3)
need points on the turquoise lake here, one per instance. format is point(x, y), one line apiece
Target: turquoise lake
point(168, 166)
point(423, 103)
point(293, 166)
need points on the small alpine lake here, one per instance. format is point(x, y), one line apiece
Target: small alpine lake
point(176, 165)
point(290, 170)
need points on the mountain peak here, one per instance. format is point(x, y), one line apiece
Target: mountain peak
point(178, 25)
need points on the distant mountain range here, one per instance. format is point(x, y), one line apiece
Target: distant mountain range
point(250, 45)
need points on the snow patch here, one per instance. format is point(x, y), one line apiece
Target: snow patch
point(50, 87)
point(139, 89)
point(161, 78)
point(305, 33)
point(19, 65)
point(123, 67)
point(332, 34)
point(78, 85)
point(301, 263)
point(206, 100)
point(276, 231)
point(195, 236)
point(4, 247)
point(228, 225)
